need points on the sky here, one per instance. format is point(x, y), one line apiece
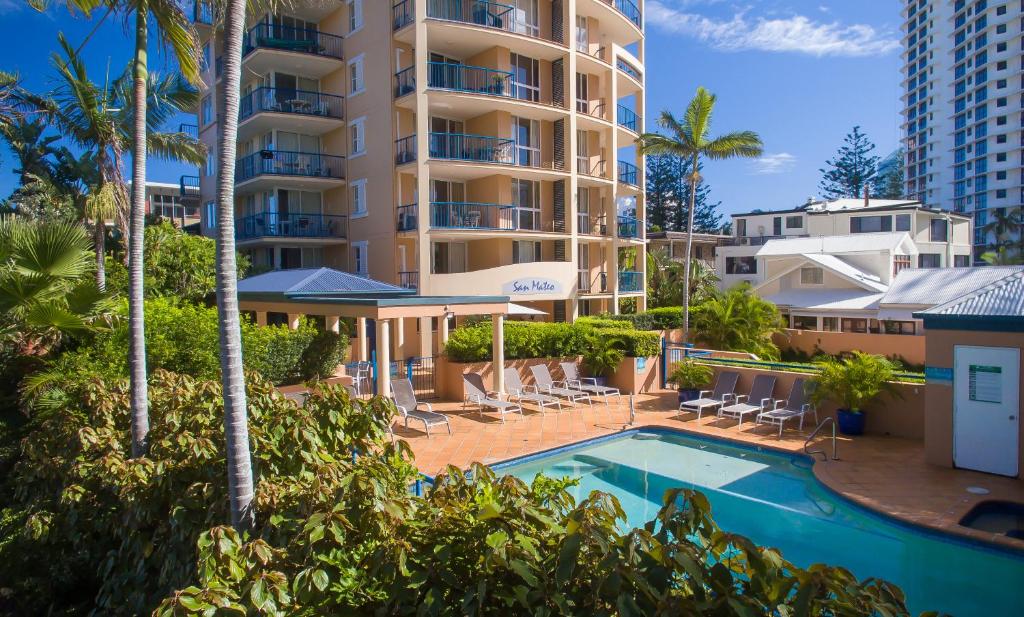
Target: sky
point(800, 73)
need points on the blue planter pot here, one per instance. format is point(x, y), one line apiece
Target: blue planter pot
point(688, 395)
point(601, 381)
point(850, 423)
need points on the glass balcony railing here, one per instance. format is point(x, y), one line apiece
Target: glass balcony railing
point(284, 163)
point(629, 174)
point(475, 148)
point(305, 40)
point(463, 215)
point(277, 225)
point(191, 130)
point(405, 150)
point(405, 81)
point(628, 69)
point(628, 119)
point(407, 217)
point(402, 14)
point(290, 101)
point(628, 226)
point(630, 281)
point(463, 78)
point(627, 8)
point(189, 186)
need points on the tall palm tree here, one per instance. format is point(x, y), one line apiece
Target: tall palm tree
point(1005, 225)
point(236, 427)
point(690, 139)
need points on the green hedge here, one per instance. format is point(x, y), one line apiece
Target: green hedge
point(664, 318)
point(545, 340)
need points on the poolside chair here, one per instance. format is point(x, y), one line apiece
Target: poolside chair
point(722, 394)
point(405, 400)
point(477, 393)
point(759, 399)
point(573, 379)
point(796, 406)
point(549, 386)
point(522, 394)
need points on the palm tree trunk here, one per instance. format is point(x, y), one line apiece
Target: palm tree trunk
point(236, 428)
point(689, 249)
point(136, 244)
point(99, 242)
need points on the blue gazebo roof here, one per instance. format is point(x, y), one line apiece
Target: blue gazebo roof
point(312, 282)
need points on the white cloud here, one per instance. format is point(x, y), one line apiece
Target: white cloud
point(796, 34)
point(774, 163)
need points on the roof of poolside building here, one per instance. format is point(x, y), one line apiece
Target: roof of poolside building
point(997, 306)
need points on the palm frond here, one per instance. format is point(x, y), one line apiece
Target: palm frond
point(177, 32)
point(698, 116)
point(745, 144)
point(656, 143)
point(176, 147)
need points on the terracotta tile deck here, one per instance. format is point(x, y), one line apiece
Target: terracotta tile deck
point(886, 474)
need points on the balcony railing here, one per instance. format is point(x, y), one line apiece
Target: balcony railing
point(463, 78)
point(628, 119)
point(483, 13)
point(191, 130)
point(628, 69)
point(189, 186)
point(592, 226)
point(627, 8)
point(409, 280)
point(475, 148)
point(276, 225)
point(405, 150)
point(284, 163)
point(407, 217)
point(629, 174)
point(290, 101)
point(596, 285)
point(202, 13)
point(403, 13)
point(405, 81)
point(463, 215)
point(629, 227)
point(305, 40)
point(630, 281)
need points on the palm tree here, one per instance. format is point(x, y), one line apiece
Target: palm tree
point(1006, 224)
point(236, 428)
point(690, 140)
point(739, 320)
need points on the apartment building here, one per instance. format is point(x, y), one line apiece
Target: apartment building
point(673, 245)
point(449, 146)
point(174, 202)
point(963, 77)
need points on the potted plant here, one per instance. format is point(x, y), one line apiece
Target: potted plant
point(690, 377)
point(851, 383)
point(602, 356)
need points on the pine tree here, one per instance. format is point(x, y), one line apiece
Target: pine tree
point(661, 185)
point(667, 195)
point(853, 168)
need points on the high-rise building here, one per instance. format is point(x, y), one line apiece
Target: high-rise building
point(962, 77)
point(451, 146)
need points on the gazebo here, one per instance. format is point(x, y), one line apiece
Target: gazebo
point(334, 294)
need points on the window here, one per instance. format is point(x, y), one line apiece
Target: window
point(898, 327)
point(855, 325)
point(902, 222)
point(812, 276)
point(360, 258)
point(1000, 157)
point(211, 164)
point(357, 135)
point(939, 230)
point(358, 189)
point(961, 261)
point(1000, 193)
point(356, 78)
point(525, 252)
point(526, 134)
point(207, 110)
point(525, 78)
point(830, 324)
point(741, 265)
point(526, 198)
point(928, 260)
point(900, 262)
point(1001, 65)
point(794, 222)
point(1000, 139)
point(1000, 175)
point(741, 227)
point(870, 224)
point(210, 214)
point(355, 15)
point(1001, 120)
point(805, 322)
point(207, 54)
point(448, 258)
point(524, 20)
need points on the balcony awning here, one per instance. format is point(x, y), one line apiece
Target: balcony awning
point(519, 309)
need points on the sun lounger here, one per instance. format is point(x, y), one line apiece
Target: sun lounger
point(796, 406)
point(722, 394)
point(523, 394)
point(405, 399)
point(477, 393)
point(587, 384)
point(759, 399)
point(549, 386)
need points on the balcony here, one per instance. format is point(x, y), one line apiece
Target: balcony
point(306, 169)
point(591, 225)
point(596, 285)
point(478, 216)
point(191, 130)
point(463, 78)
point(631, 282)
point(629, 227)
point(405, 150)
point(492, 15)
point(189, 187)
point(274, 225)
point(409, 280)
point(629, 174)
point(405, 81)
point(311, 53)
point(407, 217)
point(286, 109)
point(628, 119)
point(403, 13)
point(472, 148)
point(627, 8)
point(628, 69)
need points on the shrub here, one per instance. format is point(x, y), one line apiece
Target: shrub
point(525, 339)
point(603, 354)
point(664, 318)
point(604, 321)
point(738, 320)
point(854, 381)
point(690, 375)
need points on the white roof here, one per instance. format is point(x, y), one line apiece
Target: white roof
point(849, 272)
point(826, 299)
point(921, 287)
point(848, 203)
point(850, 243)
point(1001, 298)
point(519, 309)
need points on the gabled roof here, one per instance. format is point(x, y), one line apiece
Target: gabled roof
point(850, 243)
point(1001, 298)
point(317, 281)
point(826, 299)
point(933, 286)
point(849, 272)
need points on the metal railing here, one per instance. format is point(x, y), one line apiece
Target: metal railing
point(285, 163)
point(463, 78)
point(629, 173)
point(627, 8)
point(592, 225)
point(487, 14)
point(277, 225)
point(305, 40)
point(596, 285)
point(468, 215)
point(628, 69)
point(291, 101)
point(814, 433)
point(409, 280)
point(191, 130)
point(799, 367)
point(630, 281)
point(403, 13)
point(628, 119)
point(405, 81)
point(475, 148)
point(628, 226)
point(407, 217)
point(189, 186)
point(405, 150)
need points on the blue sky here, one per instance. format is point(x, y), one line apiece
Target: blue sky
point(800, 73)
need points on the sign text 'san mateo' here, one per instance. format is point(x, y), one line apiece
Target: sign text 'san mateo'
point(531, 286)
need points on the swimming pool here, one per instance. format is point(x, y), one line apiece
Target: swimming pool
point(775, 500)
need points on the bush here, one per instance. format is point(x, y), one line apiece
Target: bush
point(664, 318)
point(738, 320)
point(854, 381)
point(604, 321)
point(526, 339)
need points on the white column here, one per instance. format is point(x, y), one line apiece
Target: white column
point(399, 336)
point(498, 352)
point(293, 321)
point(426, 337)
point(333, 323)
point(383, 357)
point(361, 340)
point(261, 318)
point(442, 327)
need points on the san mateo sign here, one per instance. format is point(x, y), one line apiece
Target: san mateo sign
point(531, 287)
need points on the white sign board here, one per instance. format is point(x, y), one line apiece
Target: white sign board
point(531, 286)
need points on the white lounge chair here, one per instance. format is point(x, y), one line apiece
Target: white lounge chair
point(721, 395)
point(796, 406)
point(405, 399)
point(522, 393)
point(573, 380)
point(477, 393)
point(759, 399)
point(547, 385)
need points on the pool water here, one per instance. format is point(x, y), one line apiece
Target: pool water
point(775, 500)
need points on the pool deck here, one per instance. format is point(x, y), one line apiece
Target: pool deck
point(886, 474)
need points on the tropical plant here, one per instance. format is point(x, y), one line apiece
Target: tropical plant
point(665, 278)
point(603, 354)
point(1006, 227)
point(854, 381)
point(690, 375)
point(853, 168)
point(690, 139)
point(738, 320)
